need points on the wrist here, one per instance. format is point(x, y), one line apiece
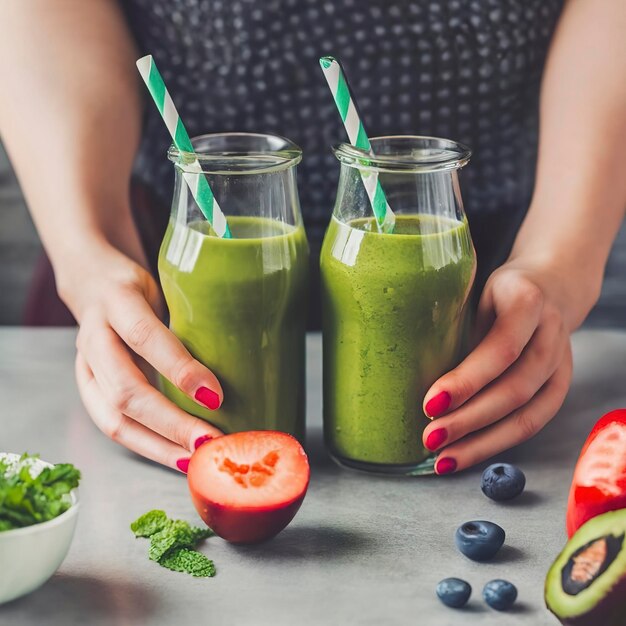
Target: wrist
point(85, 272)
point(79, 266)
point(566, 243)
point(573, 288)
point(102, 245)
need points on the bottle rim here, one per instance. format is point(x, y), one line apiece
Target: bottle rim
point(405, 154)
point(281, 154)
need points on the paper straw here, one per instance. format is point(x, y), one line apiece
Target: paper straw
point(194, 177)
point(346, 105)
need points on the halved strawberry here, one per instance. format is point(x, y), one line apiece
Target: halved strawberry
point(599, 483)
point(248, 486)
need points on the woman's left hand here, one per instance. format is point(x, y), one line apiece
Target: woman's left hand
point(513, 383)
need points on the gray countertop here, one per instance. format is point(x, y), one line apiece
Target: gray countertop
point(363, 549)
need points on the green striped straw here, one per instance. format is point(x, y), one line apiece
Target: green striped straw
point(193, 175)
point(346, 104)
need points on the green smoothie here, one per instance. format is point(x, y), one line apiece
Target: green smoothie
point(239, 306)
point(395, 309)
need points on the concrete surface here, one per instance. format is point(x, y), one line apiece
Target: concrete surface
point(363, 550)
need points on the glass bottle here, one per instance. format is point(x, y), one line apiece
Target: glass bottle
point(239, 305)
point(395, 304)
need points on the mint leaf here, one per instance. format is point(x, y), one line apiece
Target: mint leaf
point(176, 534)
point(149, 523)
point(189, 562)
point(199, 534)
point(172, 543)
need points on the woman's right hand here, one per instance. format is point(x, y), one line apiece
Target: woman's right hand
point(120, 340)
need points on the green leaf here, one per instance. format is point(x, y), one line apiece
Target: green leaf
point(26, 500)
point(201, 533)
point(189, 562)
point(172, 543)
point(176, 534)
point(149, 523)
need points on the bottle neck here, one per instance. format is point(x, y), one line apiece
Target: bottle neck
point(408, 193)
point(268, 196)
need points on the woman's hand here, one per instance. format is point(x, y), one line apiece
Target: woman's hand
point(120, 340)
point(515, 380)
point(513, 383)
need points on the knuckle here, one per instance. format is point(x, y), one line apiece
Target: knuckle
point(463, 386)
point(548, 348)
point(127, 281)
point(552, 316)
point(520, 394)
point(526, 425)
point(140, 333)
point(491, 281)
point(124, 396)
point(114, 428)
point(185, 374)
point(530, 295)
point(509, 350)
point(179, 431)
point(543, 351)
point(553, 324)
point(560, 387)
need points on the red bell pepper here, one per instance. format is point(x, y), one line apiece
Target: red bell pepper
point(599, 483)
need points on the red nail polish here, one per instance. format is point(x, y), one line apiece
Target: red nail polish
point(438, 404)
point(446, 465)
point(436, 438)
point(183, 465)
point(200, 440)
point(208, 397)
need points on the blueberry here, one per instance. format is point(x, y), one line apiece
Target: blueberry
point(479, 540)
point(454, 592)
point(500, 594)
point(502, 481)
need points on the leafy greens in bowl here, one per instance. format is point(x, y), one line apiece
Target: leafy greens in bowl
point(38, 513)
point(32, 492)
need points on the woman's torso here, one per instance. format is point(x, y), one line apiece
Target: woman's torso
point(467, 70)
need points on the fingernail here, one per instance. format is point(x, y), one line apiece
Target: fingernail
point(208, 397)
point(436, 438)
point(446, 465)
point(183, 465)
point(200, 440)
point(438, 404)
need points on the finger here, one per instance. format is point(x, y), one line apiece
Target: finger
point(517, 318)
point(122, 429)
point(146, 369)
point(144, 333)
point(512, 430)
point(485, 317)
point(510, 391)
point(126, 390)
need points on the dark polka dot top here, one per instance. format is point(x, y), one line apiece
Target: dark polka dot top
point(468, 70)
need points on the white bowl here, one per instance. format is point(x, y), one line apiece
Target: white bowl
point(29, 556)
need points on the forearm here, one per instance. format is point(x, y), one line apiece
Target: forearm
point(70, 118)
point(580, 192)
